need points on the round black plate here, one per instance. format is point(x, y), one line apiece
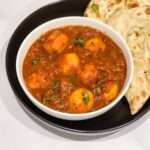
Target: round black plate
point(115, 119)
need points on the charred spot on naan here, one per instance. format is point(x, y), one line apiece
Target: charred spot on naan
point(141, 80)
point(118, 1)
point(143, 94)
point(132, 5)
point(147, 11)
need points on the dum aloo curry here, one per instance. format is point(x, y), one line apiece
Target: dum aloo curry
point(74, 69)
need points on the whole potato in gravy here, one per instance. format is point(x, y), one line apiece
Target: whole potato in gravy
point(88, 74)
point(69, 63)
point(56, 42)
point(81, 101)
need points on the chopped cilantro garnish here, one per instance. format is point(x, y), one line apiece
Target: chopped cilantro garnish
point(85, 97)
point(97, 90)
point(79, 42)
point(46, 100)
point(95, 8)
point(34, 61)
point(56, 86)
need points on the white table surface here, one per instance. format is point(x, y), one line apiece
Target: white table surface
point(19, 131)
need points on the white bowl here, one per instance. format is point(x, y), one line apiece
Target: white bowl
point(74, 21)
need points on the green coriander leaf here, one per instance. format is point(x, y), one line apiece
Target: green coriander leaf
point(79, 42)
point(85, 97)
point(95, 8)
point(46, 100)
point(97, 90)
point(34, 61)
point(56, 86)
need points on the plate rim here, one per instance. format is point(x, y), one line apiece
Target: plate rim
point(112, 129)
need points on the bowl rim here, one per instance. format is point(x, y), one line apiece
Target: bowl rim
point(64, 115)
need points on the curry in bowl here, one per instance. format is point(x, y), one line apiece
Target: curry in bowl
point(74, 69)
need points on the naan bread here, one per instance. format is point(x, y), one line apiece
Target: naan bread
point(131, 18)
point(134, 26)
point(139, 91)
point(103, 9)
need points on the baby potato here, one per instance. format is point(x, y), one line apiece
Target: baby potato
point(94, 45)
point(36, 81)
point(69, 63)
point(56, 42)
point(88, 74)
point(81, 101)
point(111, 91)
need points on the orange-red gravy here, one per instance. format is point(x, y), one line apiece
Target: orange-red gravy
point(107, 64)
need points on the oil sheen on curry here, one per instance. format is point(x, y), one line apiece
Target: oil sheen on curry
point(74, 69)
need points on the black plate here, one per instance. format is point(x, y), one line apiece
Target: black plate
point(113, 120)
